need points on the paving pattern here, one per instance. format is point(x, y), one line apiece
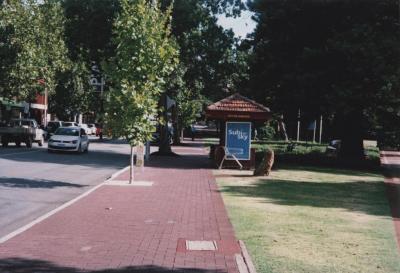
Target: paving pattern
point(135, 229)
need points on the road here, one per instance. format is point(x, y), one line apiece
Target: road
point(34, 182)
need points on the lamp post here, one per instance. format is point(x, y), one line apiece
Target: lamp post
point(95, 82)
point(43, 82)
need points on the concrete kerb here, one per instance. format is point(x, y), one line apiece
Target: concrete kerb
point(247, 259)
point(63, 206)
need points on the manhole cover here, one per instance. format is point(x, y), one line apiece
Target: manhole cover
point(201, 245)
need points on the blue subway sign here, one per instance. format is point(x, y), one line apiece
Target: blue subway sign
point(238, 140)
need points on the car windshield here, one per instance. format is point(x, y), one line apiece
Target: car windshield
point(67, 124)
point(53, 124)
point(67, 132)
point(20, 122)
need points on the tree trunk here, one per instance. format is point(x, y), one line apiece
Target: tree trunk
point(282, 129)
point(182, 138)
point(164, 147)
point(352, 148)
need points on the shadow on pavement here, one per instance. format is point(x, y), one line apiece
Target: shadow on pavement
point(18, 265)
point(96, 158)
point(29, 183)
point(180, 162)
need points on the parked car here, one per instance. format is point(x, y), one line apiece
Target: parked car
point(71, 138)
point(22, 130)
point(92, 127)
point(155, 140)
point(52, 126)
point(86, 128)
point(69, 123)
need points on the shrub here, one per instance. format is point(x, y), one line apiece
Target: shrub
point(266, 132)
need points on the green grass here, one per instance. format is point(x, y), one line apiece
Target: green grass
point(307, 219)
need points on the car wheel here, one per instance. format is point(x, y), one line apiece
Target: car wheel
point(41, 141)
point(80, 149)
point(29, 142)
point(87, 148)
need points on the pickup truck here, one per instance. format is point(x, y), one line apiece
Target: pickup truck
point(21, 130)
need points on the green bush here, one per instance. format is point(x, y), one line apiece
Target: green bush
point(266, 132)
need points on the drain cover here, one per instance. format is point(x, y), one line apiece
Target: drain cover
point(201, 245)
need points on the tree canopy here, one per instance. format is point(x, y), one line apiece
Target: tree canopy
point(339, 58)
point(145, 55)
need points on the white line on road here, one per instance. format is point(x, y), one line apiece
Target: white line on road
point(65, 205)
point(35, 151)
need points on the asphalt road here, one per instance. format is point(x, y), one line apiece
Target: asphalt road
point(34, 182)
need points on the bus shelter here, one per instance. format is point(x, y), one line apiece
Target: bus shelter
point(237, 117)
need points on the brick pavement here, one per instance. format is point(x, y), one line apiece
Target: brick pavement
point(391, 164)
point(134, 229)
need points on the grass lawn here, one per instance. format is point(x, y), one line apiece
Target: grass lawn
point(306, 219)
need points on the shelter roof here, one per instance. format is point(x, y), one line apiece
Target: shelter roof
point(239, 107)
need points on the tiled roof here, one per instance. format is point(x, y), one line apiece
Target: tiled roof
point(238, 103)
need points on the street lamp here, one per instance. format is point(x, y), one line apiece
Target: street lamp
point(43, 82)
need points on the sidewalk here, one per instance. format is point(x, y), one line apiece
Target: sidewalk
point(135, 228)
point(391, 163)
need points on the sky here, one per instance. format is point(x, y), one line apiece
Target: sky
point(241, 26)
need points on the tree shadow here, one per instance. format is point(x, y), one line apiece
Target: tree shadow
point(183, 161)
point(30, 183)
point(362, 196)
point(19, 265)
point(95, 158)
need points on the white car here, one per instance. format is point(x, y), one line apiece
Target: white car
point(92, 127)
point(86, 128)
point(69, 124)
point(72, 139)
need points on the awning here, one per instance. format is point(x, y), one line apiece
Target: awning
point(11, 103)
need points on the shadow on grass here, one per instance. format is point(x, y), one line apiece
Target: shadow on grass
point(362, 196)
point(18, 265)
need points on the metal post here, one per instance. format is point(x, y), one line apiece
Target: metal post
point(132, 175)
point(320, 130)
point(298, 126)
point(45, 106)
point(315, 130)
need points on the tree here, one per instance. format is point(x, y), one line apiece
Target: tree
point(73, 94)
point(145, 55)
point(34, 33)
point(338, 58)
point(210, 65)
point(88, 29)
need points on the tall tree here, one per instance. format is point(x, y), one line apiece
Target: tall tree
point(209, 67)
point(88, 28)
point(34, 31)
point(339, 58)
point(145, 55)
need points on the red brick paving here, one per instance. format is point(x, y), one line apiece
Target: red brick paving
point(134, 229)
point(391, 163)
